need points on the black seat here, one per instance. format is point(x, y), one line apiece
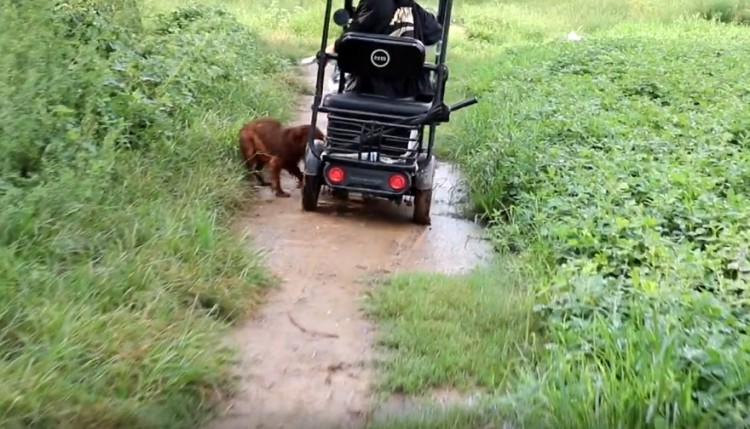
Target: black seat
point(382, 57)
point(379, 56)
point(349, 102)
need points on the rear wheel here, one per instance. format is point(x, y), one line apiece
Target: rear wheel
point(311, 192)
point(422, 204)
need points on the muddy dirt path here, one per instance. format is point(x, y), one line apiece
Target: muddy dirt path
point(305, 359)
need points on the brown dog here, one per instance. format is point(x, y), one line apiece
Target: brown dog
point(266, 141)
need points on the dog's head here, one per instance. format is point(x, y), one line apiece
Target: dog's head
point(319, 134)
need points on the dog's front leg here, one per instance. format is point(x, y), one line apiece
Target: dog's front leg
point(276, 167)
point(295, 171)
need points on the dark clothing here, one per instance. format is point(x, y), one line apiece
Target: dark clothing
point(374, 16)
point(399, 18)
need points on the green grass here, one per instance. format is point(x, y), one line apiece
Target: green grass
point(487, 314)
point(618, 165)
point(451, 418)
point(292, 26)
point(118, 180)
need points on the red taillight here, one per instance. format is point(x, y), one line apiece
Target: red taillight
point(397, 182)
point(336, 174)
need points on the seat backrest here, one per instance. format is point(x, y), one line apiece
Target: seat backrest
point(378, 56)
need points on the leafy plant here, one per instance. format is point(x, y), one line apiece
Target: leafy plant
point(624, 160)
point(117, 269)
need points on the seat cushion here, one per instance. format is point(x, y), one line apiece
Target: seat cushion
point(350, 101)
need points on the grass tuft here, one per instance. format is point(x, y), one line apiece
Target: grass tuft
point(465, 332)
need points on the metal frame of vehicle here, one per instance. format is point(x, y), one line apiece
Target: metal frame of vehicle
point(376, 145)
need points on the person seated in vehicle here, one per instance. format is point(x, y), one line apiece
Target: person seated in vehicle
point(397, 18)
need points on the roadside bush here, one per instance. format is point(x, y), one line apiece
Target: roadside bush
point(727, 11)
point(116, 181)
point(623, 159)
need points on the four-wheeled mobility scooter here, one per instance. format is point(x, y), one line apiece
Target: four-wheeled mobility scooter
point(375, 145)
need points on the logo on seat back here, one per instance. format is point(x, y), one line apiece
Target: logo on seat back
point(380, 58)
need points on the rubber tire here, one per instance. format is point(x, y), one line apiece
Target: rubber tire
point(311, 192)
point(422, 204)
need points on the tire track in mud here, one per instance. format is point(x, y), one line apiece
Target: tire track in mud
point(305, 359)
